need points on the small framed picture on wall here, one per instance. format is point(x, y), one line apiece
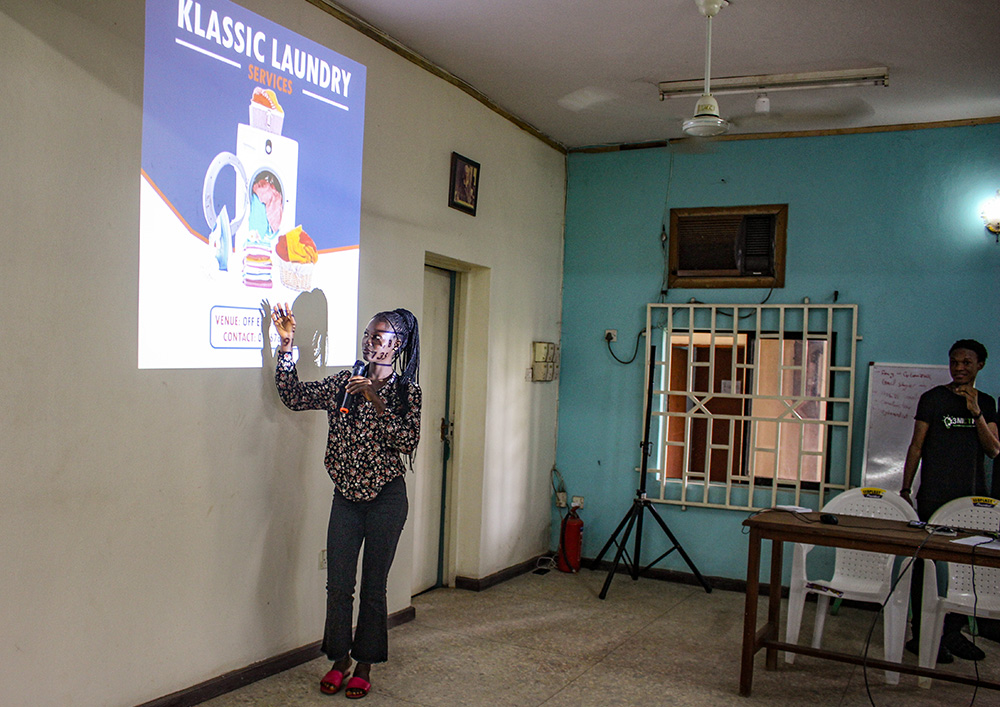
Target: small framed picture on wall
point(464, 186)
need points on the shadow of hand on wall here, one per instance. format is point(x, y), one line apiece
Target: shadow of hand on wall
point(311, 323)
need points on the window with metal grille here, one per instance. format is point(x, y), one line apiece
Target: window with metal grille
point(752, 405)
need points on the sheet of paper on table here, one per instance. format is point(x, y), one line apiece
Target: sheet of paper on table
point(979, 541)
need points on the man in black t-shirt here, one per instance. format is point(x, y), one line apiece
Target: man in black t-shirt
point(955, 427)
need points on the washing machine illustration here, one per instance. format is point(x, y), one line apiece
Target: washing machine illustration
point(266, 166)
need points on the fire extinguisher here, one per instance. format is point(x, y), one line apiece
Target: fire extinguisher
point(570, 542)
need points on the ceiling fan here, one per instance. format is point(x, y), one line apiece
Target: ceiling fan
point(707, 121)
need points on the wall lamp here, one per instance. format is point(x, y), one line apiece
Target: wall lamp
point(991, 215)
point(877, 76)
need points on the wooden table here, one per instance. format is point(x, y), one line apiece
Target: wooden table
point(853, 533)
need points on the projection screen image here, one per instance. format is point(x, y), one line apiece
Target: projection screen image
point(250, 189)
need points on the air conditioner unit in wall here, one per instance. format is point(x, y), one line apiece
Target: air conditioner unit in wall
point(734, 246)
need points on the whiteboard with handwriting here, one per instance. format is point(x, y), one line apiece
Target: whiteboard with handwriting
point(893, 392)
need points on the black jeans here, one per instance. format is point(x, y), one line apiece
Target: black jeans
point(378, 524)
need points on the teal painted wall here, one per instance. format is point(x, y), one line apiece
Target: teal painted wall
point(890, 220)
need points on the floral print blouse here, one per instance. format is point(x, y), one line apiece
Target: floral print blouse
point(364, 448)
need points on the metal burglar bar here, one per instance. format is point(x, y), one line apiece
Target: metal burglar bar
point(753, 405)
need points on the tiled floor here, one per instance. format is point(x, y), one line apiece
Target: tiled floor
point(548, 640)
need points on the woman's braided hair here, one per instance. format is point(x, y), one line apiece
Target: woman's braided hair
point(406, 362)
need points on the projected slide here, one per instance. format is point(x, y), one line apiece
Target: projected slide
point(250, 189)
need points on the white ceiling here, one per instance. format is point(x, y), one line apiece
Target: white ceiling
point(585, 72)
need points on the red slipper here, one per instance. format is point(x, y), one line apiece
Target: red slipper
point(331, 682)
point(357, 688)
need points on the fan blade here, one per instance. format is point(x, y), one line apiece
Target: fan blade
point(691, 145)
point(837, 112)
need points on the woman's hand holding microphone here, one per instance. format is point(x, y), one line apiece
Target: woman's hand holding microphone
point(361, 385)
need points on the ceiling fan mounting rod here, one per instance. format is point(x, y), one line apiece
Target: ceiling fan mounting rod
point(708, 57)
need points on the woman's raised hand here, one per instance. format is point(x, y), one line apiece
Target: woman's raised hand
point(284, 325)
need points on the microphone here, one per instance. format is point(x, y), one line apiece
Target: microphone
point(348, 401)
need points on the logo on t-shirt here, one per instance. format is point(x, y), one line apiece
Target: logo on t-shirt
point(952, 421)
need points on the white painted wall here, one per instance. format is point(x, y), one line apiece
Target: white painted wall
point(160, 528)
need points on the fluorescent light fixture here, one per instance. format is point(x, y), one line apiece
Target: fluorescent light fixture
point(877, 76)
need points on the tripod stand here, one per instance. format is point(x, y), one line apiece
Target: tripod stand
point(640, 505)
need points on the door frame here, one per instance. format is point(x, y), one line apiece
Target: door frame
point(467, 398)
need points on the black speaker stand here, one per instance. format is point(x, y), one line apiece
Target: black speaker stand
point(634, 516)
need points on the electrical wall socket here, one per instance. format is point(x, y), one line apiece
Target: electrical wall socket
point(322, 559)
point(578, 501)
point(611, 335)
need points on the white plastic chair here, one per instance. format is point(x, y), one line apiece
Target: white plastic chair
point(857, 575)
point(963, 597)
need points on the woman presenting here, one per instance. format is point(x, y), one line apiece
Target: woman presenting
point(363, 457)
